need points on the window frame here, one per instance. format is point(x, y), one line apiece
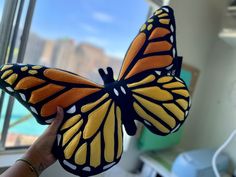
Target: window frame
point(9, 29)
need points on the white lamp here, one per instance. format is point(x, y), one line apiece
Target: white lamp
point(218, 151)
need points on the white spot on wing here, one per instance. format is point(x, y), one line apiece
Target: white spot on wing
point(167, 10)
point(122, 89)
point(116, 92)
point(169, 67)
point(171, 39)
point(22, 96)
point(9, 89)
point(178, 79)
point(58, 139)
point(33, 109)
point(158, 72)
point(172, 28)
point(68, 164)
point(49, 121)
point(186, 113)
point(87, 169)
point(146, 122)
point(71, 110)
point(109, 165)
point(174, 52)
point(176, 128)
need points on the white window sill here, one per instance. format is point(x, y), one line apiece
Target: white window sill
point(8, 158)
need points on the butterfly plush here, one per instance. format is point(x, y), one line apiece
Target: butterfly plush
point(148, 89)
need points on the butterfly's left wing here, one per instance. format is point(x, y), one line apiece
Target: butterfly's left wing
point(41, 89)
point(89, 140)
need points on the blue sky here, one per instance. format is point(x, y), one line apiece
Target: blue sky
point(110, 24)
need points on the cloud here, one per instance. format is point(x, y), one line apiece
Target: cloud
point(103, 17)
point(88, 28)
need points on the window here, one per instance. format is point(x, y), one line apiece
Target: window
point(78, 36)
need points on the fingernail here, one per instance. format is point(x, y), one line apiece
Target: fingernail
point(59, 109)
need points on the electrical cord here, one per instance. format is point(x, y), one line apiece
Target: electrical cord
point(218, 151)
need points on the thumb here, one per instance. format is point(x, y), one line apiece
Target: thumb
point(57, 121)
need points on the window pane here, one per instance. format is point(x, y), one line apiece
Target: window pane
point(80, 37)
point(23, 129)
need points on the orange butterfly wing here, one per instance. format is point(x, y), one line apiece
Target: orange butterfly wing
point(44, 88)
point(154, 47)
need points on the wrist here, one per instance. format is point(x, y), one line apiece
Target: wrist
point(29, 165)
point(36, 161)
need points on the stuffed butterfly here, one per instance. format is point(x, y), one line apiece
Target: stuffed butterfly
point(148, 89)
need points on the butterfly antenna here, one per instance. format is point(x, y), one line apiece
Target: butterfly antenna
point(107, 77)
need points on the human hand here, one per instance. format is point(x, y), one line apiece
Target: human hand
point(40, 152)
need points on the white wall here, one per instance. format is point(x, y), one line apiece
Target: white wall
point(216, 118)
point(213, 114)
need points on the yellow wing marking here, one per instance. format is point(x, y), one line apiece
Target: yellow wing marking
point(95, 120)
point(164, 21)
point(71, 121)
point(90, 106)
point(143, 27)
point(149, 27)
point(81, 154)
point(109, 131)
point(151, 20)
point(32, 72)
point(119, 131)
point(182, 92)
point(157, 110)
point(70, 148)
point(175, 110)
point(95, 151)
point(150, 119)
point(6, 67)
point(163, 15)
point(146, 80)
point(6, 73)
point(158, 12)
point(71, 132)
point(37, 67)
point(174, 85)
point(165, 79)
point(25, 68)
point(155, 93)
point(183, 103)
point(11, 80)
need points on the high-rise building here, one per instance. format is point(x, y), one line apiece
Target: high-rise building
point(34, 49)
point(63, 55)
point(46, 57)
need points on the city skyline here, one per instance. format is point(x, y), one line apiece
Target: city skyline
point(81, 58)
point(109, 24)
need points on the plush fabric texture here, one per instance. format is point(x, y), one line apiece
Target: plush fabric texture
point(148, 89)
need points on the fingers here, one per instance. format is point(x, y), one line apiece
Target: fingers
point(57, 121)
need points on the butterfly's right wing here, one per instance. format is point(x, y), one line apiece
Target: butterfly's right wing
point(154, 48)
point(161, 103)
